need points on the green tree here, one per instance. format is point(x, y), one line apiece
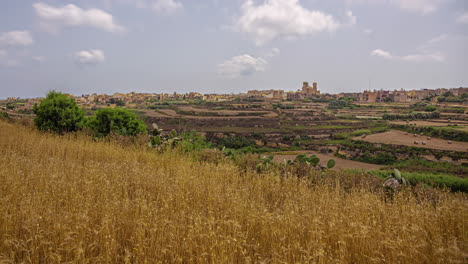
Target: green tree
point(118, 102)
point(10, 106)
point(116, 120)
point(58, 113)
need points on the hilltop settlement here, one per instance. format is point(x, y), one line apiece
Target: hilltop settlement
point(305, 93)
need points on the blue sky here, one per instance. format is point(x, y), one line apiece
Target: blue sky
point(230, 46)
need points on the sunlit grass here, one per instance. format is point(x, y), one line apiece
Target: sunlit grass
point(68, 199)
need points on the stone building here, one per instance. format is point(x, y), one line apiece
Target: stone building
point(306, 89)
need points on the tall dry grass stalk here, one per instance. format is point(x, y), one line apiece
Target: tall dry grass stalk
point(68, 199)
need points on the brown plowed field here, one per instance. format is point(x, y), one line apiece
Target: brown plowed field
point(399, 138)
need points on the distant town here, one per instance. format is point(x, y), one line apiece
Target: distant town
point(306, 92)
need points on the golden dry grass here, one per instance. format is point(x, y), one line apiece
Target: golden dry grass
point(68, 199)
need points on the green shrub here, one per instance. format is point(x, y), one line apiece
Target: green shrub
point(341, 136)
point(236, 142)
point(116, 120)
point(193, 141)
point(412, 116)
point(441, 132)
point(430, 108)
point(58, 113)
point(361, 132)
point(455, 184)
point(422, 165)
point(10, 106)
point(4, 116)
point(381, 158)
point(341, 103)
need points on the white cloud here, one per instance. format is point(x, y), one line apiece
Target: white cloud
point(242, 65)
point(438, 57)
point(89, 57)
point(159, 6)
point(416, 6)
point(422, 57)
point(167, 6)
point(419, 6)
point(352, 19)
point(284, 18)
point(368, 32)
point(463, 18)
point(6, 60)
point(16, 38)
point(39, 58)
point(437, 39)
point(381, 53)
point(273, 53)
point(54, 18)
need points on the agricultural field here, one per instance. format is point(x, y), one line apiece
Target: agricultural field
point(306, 125)
point(404, 138)
point(72, 199)
point(371, 136)
point(231, 132)
point(235, 182)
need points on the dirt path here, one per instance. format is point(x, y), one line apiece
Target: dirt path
point(399, 138)
point(340, 163)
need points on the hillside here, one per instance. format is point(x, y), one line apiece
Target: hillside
point(70, 199)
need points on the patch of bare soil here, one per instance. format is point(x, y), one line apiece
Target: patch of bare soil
point(400, 138)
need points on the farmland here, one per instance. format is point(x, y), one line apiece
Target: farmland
point(360, 135)
point(246, 131)
point(72, 199)
point(269, 127)
point(235, 182)
point(402, 138)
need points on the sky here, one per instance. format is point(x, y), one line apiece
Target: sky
point(230, 46)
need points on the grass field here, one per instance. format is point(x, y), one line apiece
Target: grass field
point(68, 199)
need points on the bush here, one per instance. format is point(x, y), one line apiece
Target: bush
point(430, 108)
point(381, 158)
point(10, 106)
point(449, 97)
point(58, 113)
point(193, 141)
point(341, 103)
point(5, 116)
point(441, 132)
point(423, 165)
point(236, 142)
point(116, 120)
point(361, 132)
point(454, 183)
point(118, 102)
point(411, 116)
point(341, 136)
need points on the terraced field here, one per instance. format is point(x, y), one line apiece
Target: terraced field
point(401, 138)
